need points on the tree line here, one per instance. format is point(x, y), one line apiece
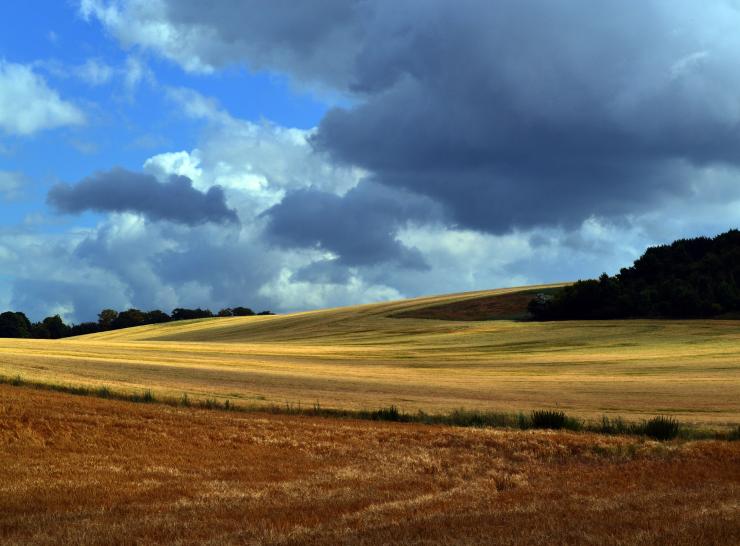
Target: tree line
point(16, 324)
point(690, 278)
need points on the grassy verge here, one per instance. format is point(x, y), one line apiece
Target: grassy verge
point(659, 427)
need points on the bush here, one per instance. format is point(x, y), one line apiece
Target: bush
point(661, 428)
point(550, 419)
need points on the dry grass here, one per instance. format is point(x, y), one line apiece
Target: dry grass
point(359, 358)
point(90, 471)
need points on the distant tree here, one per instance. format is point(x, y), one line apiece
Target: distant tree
point(242, 312)
point(127, 319)
point(265, 313)
point(188, 314)
point(84, 328)
point(14, 324)
point(226, 312)
point(157, 317)
point(56, 327)
point(40, 331)
point(106, 318)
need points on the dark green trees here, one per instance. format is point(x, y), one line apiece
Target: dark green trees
point(16, 324)
point(689, 278)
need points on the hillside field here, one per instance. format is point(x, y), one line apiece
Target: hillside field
point(367, 356)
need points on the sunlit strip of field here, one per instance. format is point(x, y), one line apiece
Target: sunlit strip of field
point(359, 358)
point(86, 471)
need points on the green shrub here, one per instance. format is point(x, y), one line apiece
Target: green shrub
point(551, 419)
point(661, 428)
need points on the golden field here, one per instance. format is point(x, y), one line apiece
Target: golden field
point(88, 471)
point(361, 358)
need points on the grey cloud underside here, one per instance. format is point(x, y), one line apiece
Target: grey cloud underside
point(510, 114)
point(119, 190)
point(359, 227)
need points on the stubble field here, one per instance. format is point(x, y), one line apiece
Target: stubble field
point(81, 470)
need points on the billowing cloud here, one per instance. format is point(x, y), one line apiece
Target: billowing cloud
point(508, 114)
point(119, 190)
point(28, 104)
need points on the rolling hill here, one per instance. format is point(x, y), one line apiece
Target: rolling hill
point(367, 356)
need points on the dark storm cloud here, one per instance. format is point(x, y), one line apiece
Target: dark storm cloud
point(504, 115)
point(360, 226)
point(119, 190)
point(517, 114)
point(509, 113)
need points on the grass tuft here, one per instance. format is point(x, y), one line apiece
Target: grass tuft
point(661, 428)
point(391, 413)
point(549, 419)
point(614, 425)
point(103, 392)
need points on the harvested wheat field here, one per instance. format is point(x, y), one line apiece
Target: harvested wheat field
point(78, 470)
point(366, 357)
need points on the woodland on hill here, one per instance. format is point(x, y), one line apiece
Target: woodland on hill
point(17, 325)
point(690, 278)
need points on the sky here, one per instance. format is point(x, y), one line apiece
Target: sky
point(291, 155)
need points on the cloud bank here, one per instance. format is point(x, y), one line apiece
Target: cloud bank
point(489, 107)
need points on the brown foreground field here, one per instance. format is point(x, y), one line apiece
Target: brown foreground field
point(79, 470)
point(362, 357)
